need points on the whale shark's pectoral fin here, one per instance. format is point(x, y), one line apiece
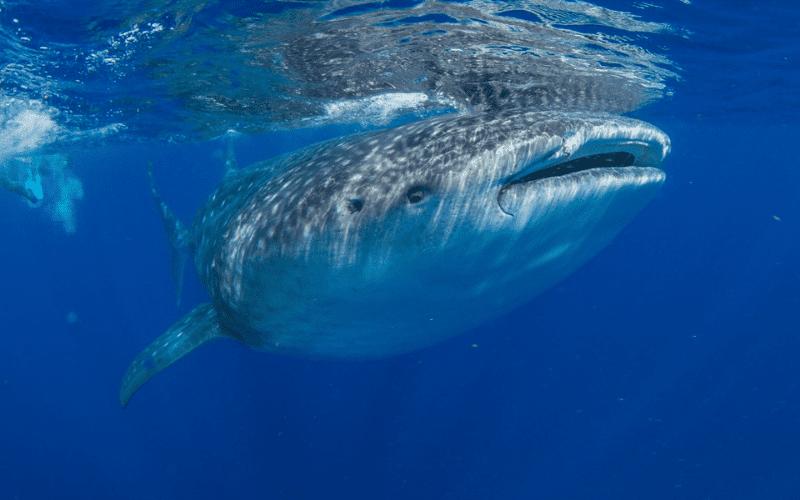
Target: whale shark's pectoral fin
point(195, 329)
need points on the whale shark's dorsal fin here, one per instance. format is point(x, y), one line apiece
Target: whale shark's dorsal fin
point(230, 159)
point(177, 234)
point(195, 329)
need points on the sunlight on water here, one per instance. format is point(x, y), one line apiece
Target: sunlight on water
point(380, 109)
point(192, 69)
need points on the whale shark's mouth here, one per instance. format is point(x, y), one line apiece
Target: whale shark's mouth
point(603, 167)
point(602, 160)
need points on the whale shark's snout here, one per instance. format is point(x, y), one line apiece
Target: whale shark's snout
point(592, 160)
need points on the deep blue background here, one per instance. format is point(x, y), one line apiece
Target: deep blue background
point(665, 368)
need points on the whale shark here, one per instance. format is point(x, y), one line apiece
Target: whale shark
point(388, 241)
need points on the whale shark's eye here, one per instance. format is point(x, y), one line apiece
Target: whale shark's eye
point(416, 194)
point(355, 206)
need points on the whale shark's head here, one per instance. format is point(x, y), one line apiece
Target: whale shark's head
point(388, 241)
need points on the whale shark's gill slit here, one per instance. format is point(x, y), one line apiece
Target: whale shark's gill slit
point(604, 160)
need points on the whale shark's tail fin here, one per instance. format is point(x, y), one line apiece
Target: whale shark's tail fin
point(195, 329)
point(177, 234)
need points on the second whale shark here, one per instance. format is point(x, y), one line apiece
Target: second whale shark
point(385, 242)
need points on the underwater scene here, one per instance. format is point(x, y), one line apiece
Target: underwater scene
point(438, 249)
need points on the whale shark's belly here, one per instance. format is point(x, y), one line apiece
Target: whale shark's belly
point(394, 299)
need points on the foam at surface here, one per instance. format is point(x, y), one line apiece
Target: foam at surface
point(24, 126)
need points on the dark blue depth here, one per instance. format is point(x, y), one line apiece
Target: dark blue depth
point(666, 368)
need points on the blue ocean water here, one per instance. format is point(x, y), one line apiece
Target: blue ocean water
point(664, 368)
